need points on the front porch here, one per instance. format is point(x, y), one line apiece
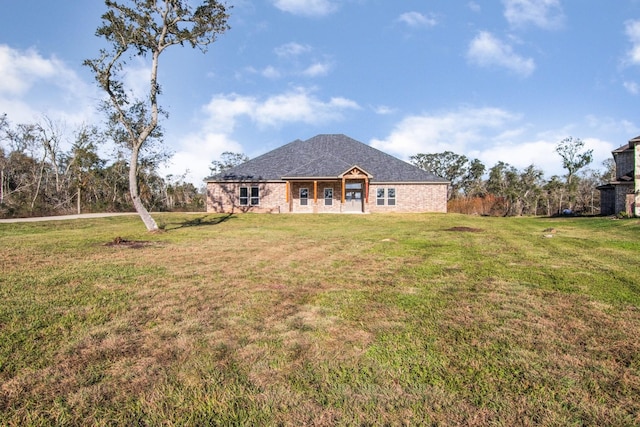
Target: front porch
point(348, 193)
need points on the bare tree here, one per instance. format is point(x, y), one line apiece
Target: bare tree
point(4, 124)
point(147, 28)
point(50, 135)
point(573, 159)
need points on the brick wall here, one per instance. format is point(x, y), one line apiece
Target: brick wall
point(622, 192)
point(224, 197)
point(410, 198)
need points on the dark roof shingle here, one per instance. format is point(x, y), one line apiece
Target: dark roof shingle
point(326, 156)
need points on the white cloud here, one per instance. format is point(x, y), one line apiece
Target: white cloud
point(317, 69)
point(343, 103)
point(456, 131)
point(474, 6)
point(306, 7)
point(417, 19)
point(20, 70)
point(485, 50)
point(292, 59)
point(271, 72)
point(490, 135)
point(546, 14)
point(32, 85)
point(223, 110)
point(609, 125)
point(539, 153)
point(195, 153)
point(292, 49)
point(601, 149)
point(383, 110)
point(300, 106)
point(632, 87)
point(136, 77)
point(632, 29)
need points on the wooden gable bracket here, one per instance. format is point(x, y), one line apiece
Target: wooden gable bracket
point(356, 172)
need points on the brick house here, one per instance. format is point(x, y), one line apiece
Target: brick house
point(623, 194)
point(326, 174)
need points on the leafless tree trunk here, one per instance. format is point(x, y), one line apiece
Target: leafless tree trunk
point(39, 181)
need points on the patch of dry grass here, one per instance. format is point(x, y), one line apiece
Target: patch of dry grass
point(320, 320)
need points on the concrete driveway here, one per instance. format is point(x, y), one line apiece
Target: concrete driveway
point(65, 217)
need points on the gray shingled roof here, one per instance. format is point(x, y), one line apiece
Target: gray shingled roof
point(326, 156)
point(625, 147)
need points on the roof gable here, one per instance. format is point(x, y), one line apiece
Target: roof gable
point(327, 156)
point(355, 172)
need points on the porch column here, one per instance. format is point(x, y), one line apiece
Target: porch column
point(343, 187)
point(286, 192)
point(315, 192)
point(366, 190)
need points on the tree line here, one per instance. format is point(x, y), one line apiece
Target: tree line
point(506, 190)
point(38, 176)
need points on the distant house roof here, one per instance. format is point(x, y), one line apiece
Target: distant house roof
point(326, 156)
point(623, 148)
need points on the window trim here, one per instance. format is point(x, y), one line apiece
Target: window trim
point(251, 195)
point(380, 197)
point(391, 196)
point(244, 199)
point(328, 200)
point(304, 201)
point(254, 199)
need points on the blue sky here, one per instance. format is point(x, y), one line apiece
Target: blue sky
point(494, 79)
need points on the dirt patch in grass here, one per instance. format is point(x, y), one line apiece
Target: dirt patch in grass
point(131, 244)
point(465, 229)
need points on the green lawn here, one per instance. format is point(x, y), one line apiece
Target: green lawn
point(321, 320)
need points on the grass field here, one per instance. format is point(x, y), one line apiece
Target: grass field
point(321, 320)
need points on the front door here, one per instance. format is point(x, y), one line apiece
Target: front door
point(353, 201)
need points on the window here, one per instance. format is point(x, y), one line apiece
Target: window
point(380, 197)
point(255, 196)
point(245, 200)
point(304, 196)
point(244, 196)
point(328, 196)
point(391, 196)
